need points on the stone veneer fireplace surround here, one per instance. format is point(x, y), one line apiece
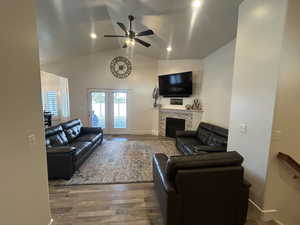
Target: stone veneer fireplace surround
point(192, 118)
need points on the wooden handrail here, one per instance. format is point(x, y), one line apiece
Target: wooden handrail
point(289, 160)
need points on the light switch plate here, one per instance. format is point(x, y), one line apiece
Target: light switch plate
point(243, 128)
point(31, 140)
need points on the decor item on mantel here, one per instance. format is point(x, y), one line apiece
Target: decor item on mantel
point(121, 67)
point(196, 105)
point(188, 107)
point(155, 96)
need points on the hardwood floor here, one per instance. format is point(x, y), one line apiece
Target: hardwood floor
point(118, 204)
point(131, 204)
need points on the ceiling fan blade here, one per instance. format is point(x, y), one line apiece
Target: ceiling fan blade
point(145, 33)
point(114, 36)
point(142, 42)
point(125, 46)
point(123, 27)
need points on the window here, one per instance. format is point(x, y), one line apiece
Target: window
point(50, 104)
point(120, 108)
point(98, 109)
point(108, 109)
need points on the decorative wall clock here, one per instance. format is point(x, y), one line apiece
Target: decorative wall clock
point(120, 67)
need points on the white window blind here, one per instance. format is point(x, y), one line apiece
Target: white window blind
point(51, 103)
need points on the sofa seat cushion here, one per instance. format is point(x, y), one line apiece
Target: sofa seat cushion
point(189, 144)
point(89, 137)
point(81, 148)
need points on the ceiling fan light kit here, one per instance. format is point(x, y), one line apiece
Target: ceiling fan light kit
point(132, 36)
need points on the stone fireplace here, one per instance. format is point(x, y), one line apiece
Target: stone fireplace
point(191, 118)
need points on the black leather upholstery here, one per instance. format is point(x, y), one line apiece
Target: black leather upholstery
point(201, 189)
point(208, 138)
point(72, 129)
point(176, 163)
point(89, 137)
point(68, 146)
point(55, 136)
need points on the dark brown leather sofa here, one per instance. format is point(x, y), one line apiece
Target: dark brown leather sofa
point(68, 146)
point(206, 189)
point(207, 139)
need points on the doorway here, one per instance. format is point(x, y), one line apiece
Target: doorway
point(108, 110)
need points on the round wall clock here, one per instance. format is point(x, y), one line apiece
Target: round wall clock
point(120, 67)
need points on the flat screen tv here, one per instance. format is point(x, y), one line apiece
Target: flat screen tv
point(176, 85)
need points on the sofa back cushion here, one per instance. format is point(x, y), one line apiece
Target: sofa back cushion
point(72, 129)
point(55, 136)
point(212, 135)
point(211, 160)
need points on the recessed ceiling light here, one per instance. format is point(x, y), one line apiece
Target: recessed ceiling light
point(93, 36)
point(197, 3)
point(169, 49)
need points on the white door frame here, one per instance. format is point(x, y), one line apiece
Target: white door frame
point(109, 110)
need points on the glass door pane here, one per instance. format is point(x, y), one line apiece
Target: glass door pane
point(120, 109)
point(97, 117)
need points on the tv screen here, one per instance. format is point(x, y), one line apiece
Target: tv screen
point(176, 85)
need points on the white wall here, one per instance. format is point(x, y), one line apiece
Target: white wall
point(24, 184)
point(217, 85)
point(92, 72)
point(256, 72)
point(177, 66)
point(282, 191)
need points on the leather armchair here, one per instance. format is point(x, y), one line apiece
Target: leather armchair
point(201, 189)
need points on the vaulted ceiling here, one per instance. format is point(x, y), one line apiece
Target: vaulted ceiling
point(64, 26)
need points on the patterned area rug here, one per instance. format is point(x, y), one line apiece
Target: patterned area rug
point(120, 162)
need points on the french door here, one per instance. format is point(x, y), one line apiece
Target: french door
point(108, 110)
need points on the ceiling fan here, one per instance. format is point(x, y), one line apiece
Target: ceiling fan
point(132, 35)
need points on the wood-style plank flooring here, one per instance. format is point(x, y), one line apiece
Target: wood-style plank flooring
point(118, 204)
point(131, 204)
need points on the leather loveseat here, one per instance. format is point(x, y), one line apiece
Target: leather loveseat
point(208, 138)
point(201, 189)
point(68, 146)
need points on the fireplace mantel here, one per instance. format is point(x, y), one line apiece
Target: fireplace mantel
point(179, 110)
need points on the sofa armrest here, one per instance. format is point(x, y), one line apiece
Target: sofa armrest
point(60, 150)
point(181, 133)
point(91, 130)
point(209, 149)
point(159, 165)
point(60, 161)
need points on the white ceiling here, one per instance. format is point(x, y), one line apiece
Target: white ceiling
point(64, 26)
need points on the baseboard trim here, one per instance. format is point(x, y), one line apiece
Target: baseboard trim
point(262, 214)
point(51, 221)
point(155, 132)
point(134, 132)
point(278, 222)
